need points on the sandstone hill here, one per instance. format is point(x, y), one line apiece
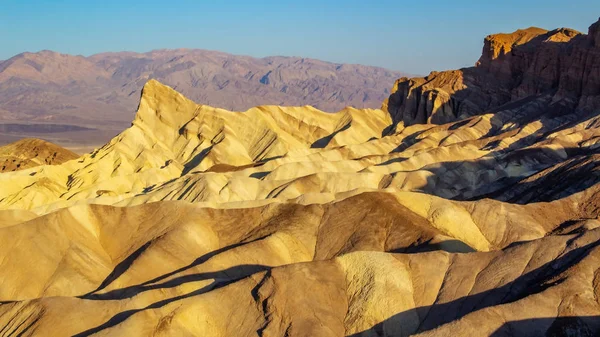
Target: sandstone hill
point(458, 209)
point(28, 152)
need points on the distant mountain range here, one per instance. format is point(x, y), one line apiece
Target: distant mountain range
point(103, 90)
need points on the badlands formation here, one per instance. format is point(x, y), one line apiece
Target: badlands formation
point(30, 152)
point(467, 206)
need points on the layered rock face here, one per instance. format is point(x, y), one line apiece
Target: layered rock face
point(283, 221)
point(558, 69)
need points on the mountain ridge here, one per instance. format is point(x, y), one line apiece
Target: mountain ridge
point(33, 83)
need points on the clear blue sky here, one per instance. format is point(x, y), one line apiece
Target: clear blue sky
point(412, 36)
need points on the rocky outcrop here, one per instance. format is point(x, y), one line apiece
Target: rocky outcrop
point(500, 45)
point(514, 68)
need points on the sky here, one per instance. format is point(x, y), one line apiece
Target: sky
point(411, 36)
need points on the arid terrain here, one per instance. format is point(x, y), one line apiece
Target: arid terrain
point(31, 152)
point(75, 100)
point(468, 205)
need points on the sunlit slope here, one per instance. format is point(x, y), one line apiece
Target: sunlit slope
point(172, 136)
point(178, 150)
point(31, 152)
point(280, 279)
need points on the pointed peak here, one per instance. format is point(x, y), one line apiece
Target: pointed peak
point(155, 90)
point(153, 85)
point(161, 104)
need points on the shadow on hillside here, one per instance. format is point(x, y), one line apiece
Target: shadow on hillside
point(564, 176)
point(221, 279)
point(428, 317)
point(547, 175)
point(322, 142)
point(531, 283)
point(196, 160)
point(448, 246)
point(410, 109)
point(122, 316)
point(131, 291)
point(566, 326)
point(120, 268)
point(491, 88)
point(581, 326)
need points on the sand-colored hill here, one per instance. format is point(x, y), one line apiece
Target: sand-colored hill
point(30, 152)
point(177, 269)
point(178, 150)
point(289, 221)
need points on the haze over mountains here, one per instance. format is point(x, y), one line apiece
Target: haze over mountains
point(102, 91)
point(467, 206)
